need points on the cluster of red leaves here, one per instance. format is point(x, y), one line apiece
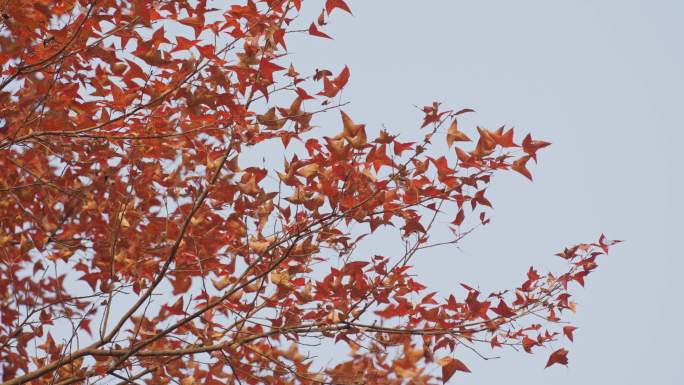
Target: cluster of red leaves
point(137, 246)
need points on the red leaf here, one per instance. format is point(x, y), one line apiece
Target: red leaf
point(519, 166)
point(604, 243)
point(531, 146)
point(503, 310)
point(504, 139)
point(330, 5)
point(266, 68)
point(480, 198)
point(450, 366)
point(315, 32)
point(463, 111)
point(528, 343)
point(459, 218)
point(158, 37)
point(329, 88)
point(183, 44)
point(462, 155)
point(303, 94)
point(567, 330)
point(579, 277)
point(342, 79)
point(560, 356)
point(399, 147)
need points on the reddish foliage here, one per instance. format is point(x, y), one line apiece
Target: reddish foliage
point(140, 244)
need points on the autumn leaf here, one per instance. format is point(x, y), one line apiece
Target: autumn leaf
point(308, 170)
point(222, 283)
point(303, 94)
point(313, 30)
point(399, 147)
point(355, 134)
point(568, 330)
point(451, 366)
point(560, 356)
point(146, 162)
point(454, 135)
point(342, 79)
point(463, 111)
point(503, 310)
point(519, 166)
point(266, 69)
point(531, 146)
point(330, 5)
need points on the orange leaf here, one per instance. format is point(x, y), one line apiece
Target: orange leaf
point(462, 155)
point(454, 135)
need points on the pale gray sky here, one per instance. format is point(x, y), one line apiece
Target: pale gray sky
point(602, 80)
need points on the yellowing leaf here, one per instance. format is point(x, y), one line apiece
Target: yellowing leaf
point(222, 283)
point(259, 245)
point(308, 170)
point(454, 135)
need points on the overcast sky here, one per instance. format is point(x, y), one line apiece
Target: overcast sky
point(602, 80)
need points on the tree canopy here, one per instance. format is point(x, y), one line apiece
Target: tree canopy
point(141, 244)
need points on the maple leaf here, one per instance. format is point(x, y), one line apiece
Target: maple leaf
point(519, 166)
point(560, 356)
point(460, 217)
point(266, 69)
point(399, 147)
point(451, 366)
point(355, 134)
point(342, 79)
point(183, 44)
point(504, 138)
point(151, 126)
point(568, 330)
point(314, 31)
point(303, 94)
point(503, 310)
point(531, 146)
point(330, 5)
point(454, 135)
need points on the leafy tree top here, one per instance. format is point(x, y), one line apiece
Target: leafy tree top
point(139, 245)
